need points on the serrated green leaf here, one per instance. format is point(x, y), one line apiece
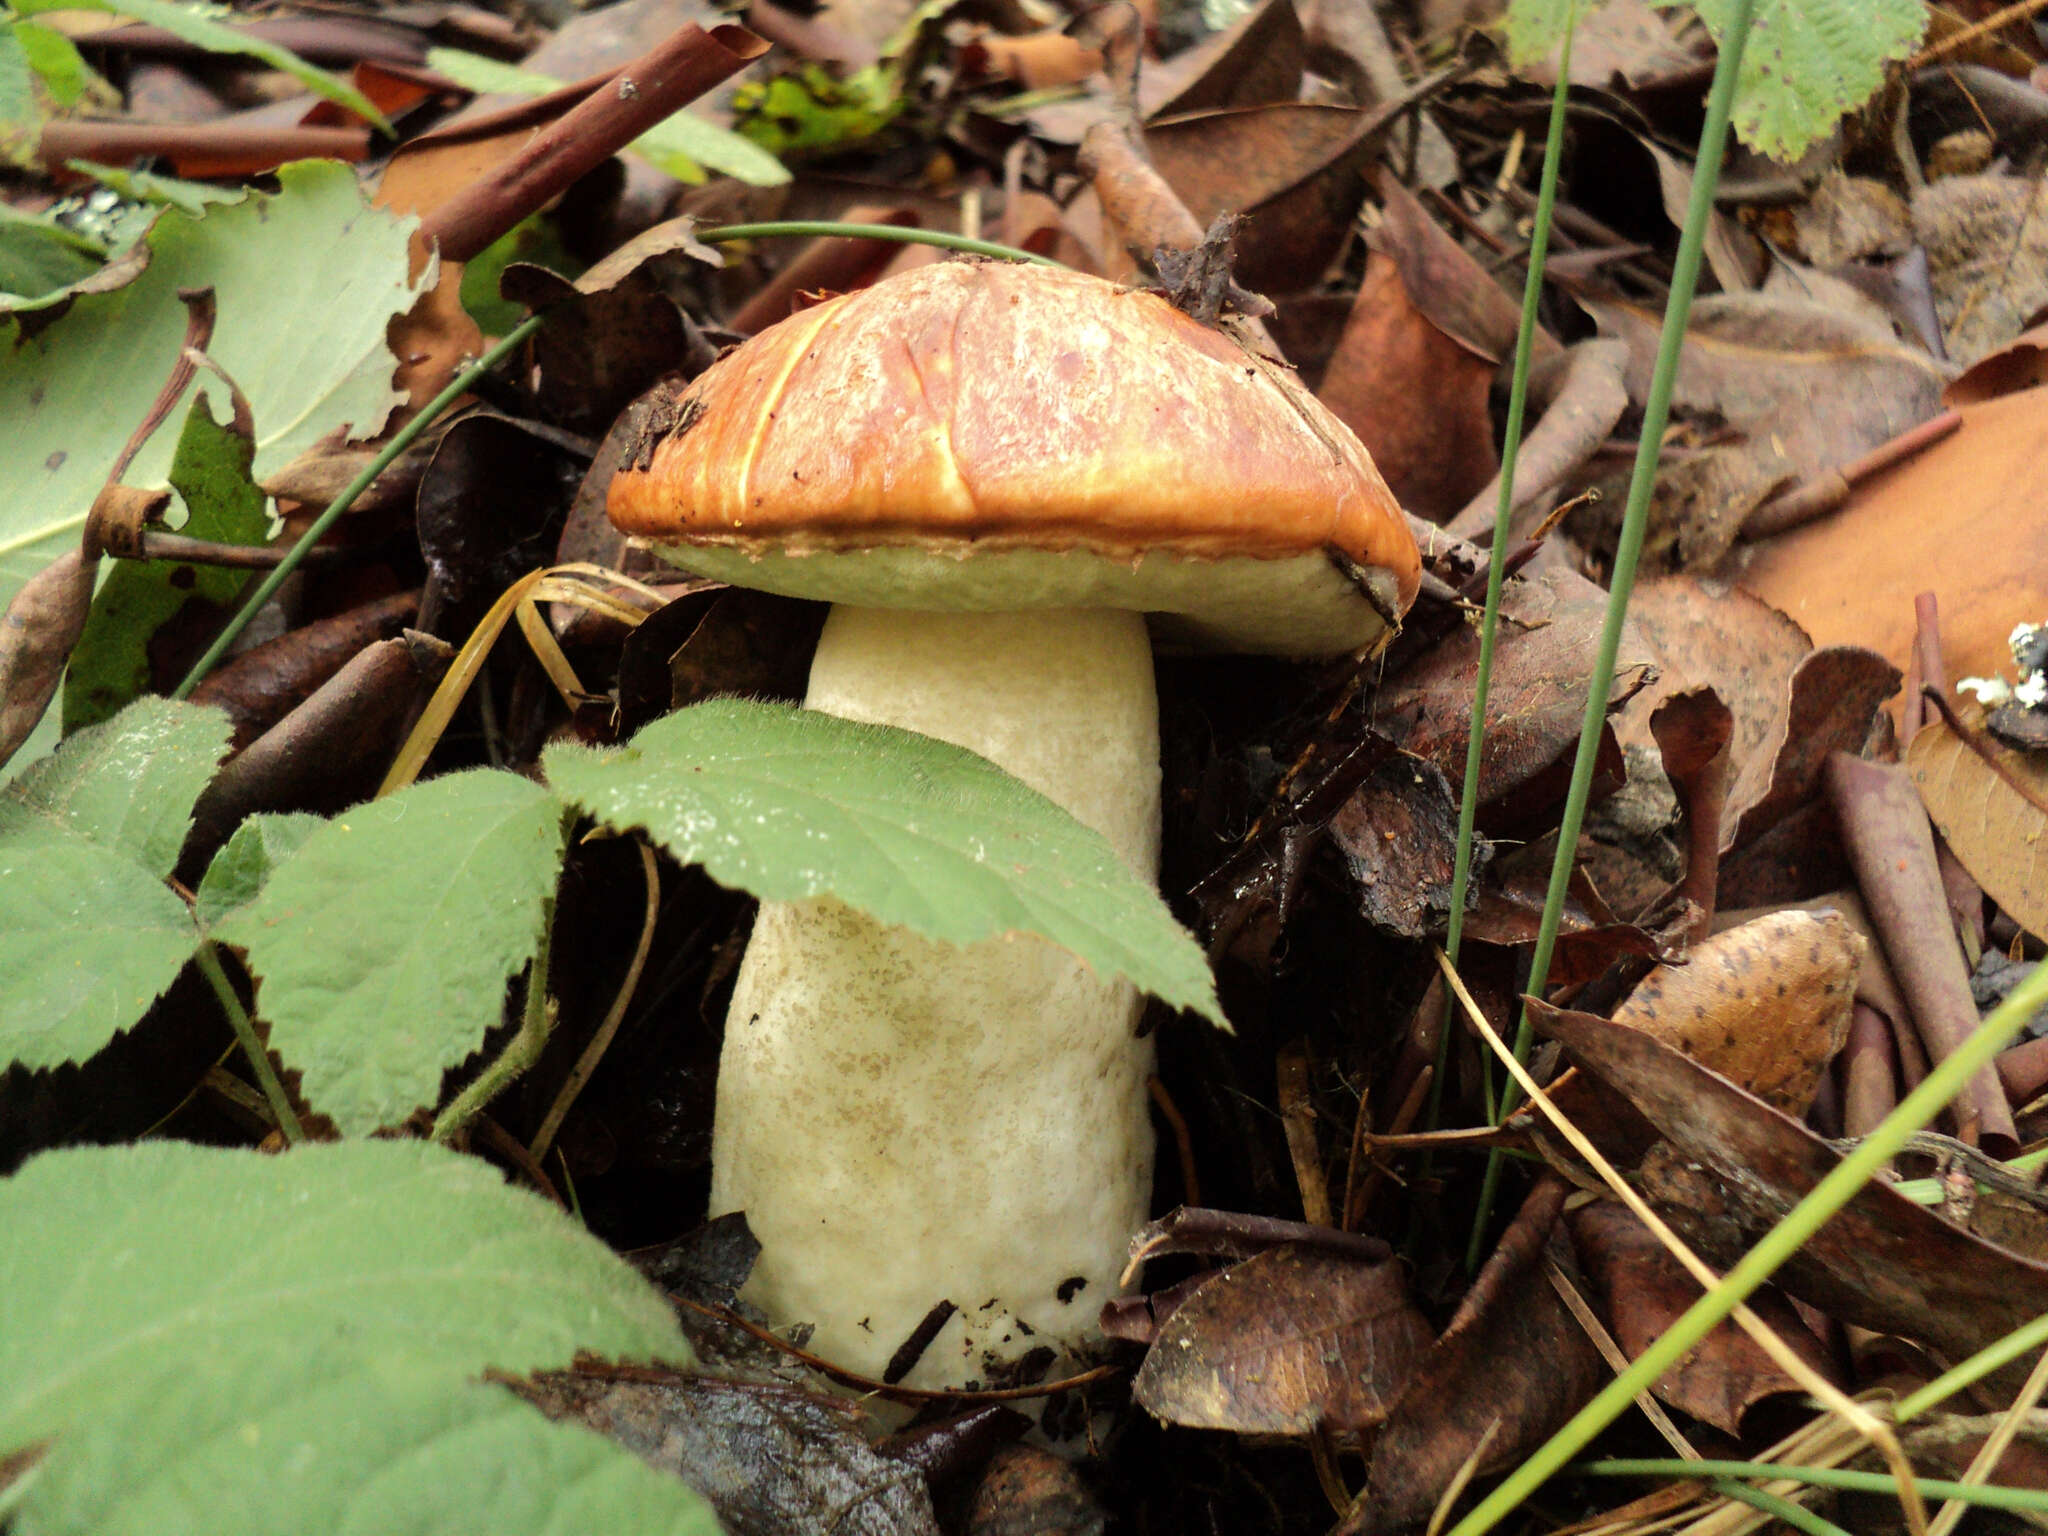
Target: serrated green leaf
point(384, 944)
point(239, 871)
point(223, 1343)
point(789, 803)
point(129, 784)
point(305, 280)
point(680, 144)
point(382, 1446)
point(1809, 61)
point(89, 934)
point(88, 940)
point(193, 24)
point(210, 472)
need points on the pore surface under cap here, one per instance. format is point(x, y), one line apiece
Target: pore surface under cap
point(971, 406)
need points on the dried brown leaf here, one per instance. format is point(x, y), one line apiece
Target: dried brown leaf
point(1991, 805)
point(1882, 1262)
point(1727, 1373)
point(1765, 1004)
point(1512, 1366)
point(1286, 1342)
point(37, 631)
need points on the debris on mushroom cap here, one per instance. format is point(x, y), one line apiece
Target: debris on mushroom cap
point(971, 407)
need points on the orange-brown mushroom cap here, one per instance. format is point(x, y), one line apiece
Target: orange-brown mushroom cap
point(966, 408)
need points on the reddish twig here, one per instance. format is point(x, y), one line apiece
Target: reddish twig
point(689, 62)
point(1828, 490)
point(1891, 847)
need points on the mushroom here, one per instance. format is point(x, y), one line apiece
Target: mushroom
point(994, 472)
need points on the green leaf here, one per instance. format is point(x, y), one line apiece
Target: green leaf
point(384, 944)
point(219, 1342)
point(813, 111)
point(306, 281)
point(680, 144)
point(789, 803)
point(129, 784)
point(533, 240)
point(1806, 62)
point(38, 255)
point(88, 940)
point(1809, 61)
point(1536, 27)
point(110, 664)
point(239, 871)
point(20, 114)
point(193, 24)
point(89, 934)
point(192, 197)
point(57, 63)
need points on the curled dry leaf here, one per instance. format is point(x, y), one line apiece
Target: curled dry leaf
point(1512, 1366)
point(1727, 1373)
point(1830, 706)
point(1991, 804)
point(37, 631)
point(1286, 1342)
point(1256, 60)
point(1294, 169)
point(1765, 1004)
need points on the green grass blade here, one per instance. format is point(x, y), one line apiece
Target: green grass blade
point(1635, 522)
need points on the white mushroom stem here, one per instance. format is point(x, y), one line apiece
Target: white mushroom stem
point(905, 1121)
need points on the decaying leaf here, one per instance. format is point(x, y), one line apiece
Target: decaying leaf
point(41, 624)
point(1881, 1262)
point(1548, 638)
point(1412, 371)
point(1991, 804)
point(1286, 1342)
point(769, 1459)
point(1765, 1004)
point(1512, 1366)
point(1726, 1374)
point(1831, 702)
point(1399, 833)
point(1708, 634)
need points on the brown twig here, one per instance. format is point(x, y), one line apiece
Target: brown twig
point(2018, 11)
point(223, 144)
point(686, 64)
point(1826, 491)
point(1404, 1117)
point(1891, 847)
